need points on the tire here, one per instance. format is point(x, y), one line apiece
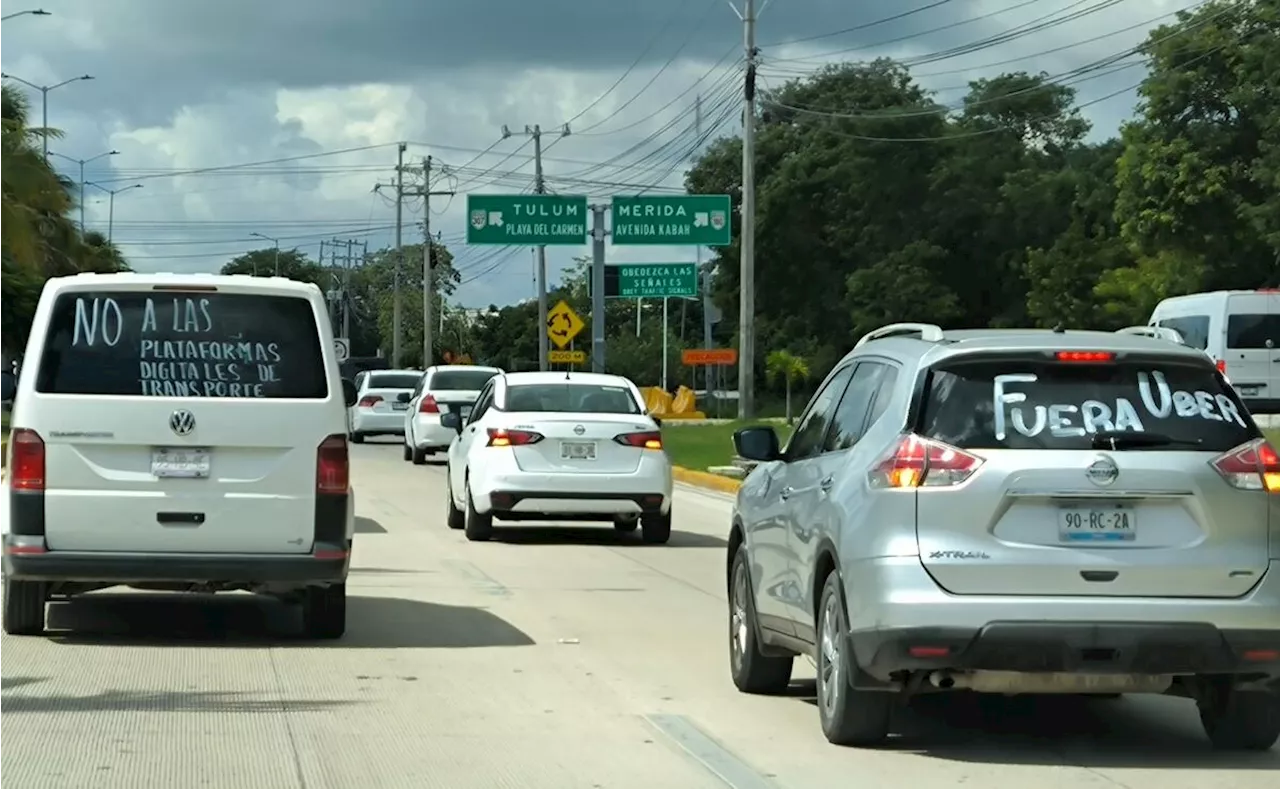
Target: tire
point(625, 525)
point(848, 716)
point(408, 452)
point(478, 528)
point(455, 517)
point(357, 438)
point(419, 457)
point(24, 607)
point(655, 529)
point(752, 671)
point(1241, 720)
point(324, 611)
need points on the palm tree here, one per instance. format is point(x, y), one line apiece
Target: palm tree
point(35, 199)
point(788, 367)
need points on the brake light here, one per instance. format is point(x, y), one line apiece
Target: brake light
point(368, 401)
point(1085, 357)
point(26, 460)
point(1222, 366)
point(917, 462)
point(647, 439)
point(333, 466)
point(427, 405)
point(1251, 466)
point(501, 437)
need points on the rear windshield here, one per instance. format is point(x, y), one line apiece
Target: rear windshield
point(394, 380)
point(1017, 404)
point(460, 380)
point(573, 398)
point(1253, 331)
point(183, 345)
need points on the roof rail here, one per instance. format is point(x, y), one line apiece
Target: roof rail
point(927, 331)
point(1158, 332)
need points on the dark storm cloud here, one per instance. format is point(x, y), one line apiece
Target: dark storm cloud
point(152, 55)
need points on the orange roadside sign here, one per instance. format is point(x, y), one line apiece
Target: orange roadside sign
point(697, 357)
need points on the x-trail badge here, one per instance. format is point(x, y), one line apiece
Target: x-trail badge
point(182, 422)
point(1102, 472)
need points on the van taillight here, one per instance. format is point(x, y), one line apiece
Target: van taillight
point(917, 462)
point(26, 460)
point(333, 465)
point(1251, 466)
point(428, 405)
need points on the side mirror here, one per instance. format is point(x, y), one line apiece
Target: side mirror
point(757, 443)
point(348, 392)
point(403, 397)
point(452, 420)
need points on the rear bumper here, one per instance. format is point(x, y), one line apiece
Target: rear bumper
point(500, 486)
point(384, 424)
point(429, 434)
point(535, 504)
point(327, 565)
point(1071, 647)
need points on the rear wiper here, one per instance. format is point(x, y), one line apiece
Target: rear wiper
point(1123, 439)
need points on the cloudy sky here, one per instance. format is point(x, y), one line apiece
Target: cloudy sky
point(279, 118)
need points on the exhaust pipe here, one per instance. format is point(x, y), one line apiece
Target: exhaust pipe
point(942, 679)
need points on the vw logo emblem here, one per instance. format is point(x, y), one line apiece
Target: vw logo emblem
point(579, 430)
point(182, 422)
point(1102, 472)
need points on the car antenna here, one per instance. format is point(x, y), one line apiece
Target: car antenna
point(1059, 329)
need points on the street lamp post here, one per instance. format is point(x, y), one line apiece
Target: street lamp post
point(111, 204)
point(44, 102)
point(275, 241)
point(33, 12)
point(82, 163)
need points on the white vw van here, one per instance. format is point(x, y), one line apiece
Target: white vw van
point(184, 433)
point(1240, 330)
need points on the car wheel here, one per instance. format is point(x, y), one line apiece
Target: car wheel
point(408, 452)
point(24, 607)
point(625, 525)
point(455, 517)
point(752, 671)
point(357, 438)
point(477, 527)
point(848, 716)
point(655, 529)
point(324, 611)
point(1241, 720)
point(419, 457)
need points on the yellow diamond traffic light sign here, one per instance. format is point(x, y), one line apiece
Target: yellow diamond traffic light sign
point(563, 324)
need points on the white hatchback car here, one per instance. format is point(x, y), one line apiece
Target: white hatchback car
point(181, 433)
point(559, 446)
point(379, 408)
point(441, 389)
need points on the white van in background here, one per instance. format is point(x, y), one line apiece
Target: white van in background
point(181, 433)
point(1240, 330)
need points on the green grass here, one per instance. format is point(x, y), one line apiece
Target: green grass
point(700, 446)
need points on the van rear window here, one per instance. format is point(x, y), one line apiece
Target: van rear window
point(219, 345)
point(1033, 404)
point(1246, 332)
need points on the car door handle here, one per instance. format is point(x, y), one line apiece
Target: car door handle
point(825, 485)
point(786, 492)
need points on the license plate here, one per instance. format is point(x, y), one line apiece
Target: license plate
point(182, 462)
point(399, 406)
point(1249, 391)
point(578, 450)
point(1098, 523)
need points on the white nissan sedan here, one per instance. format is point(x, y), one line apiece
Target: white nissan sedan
point(384, 398)
point(441, 389)
point(558, 446)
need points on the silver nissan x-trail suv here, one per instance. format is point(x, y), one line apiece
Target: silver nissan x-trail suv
point(1013, 511)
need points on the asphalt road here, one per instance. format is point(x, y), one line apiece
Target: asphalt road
point(553, 657)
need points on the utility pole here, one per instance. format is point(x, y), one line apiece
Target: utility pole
point(428, 276)
point(747, 263)
point(396, 301)
point(540, 187)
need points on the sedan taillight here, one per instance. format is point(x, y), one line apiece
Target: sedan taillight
point(368, 401)
point(428, 405)
point(647, 439)
point(501, 437)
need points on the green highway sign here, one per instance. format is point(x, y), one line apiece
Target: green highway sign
point(693, 220)
point(527, 220)
point(651, 280)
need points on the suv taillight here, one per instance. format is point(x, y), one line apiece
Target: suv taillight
point(1222, 366)
point(1251, 466)
point(501, 437)
point(333, 466)
point(917, 462)
point(648, 439)
point(427, 405)
point(368, 401)
point(26, 460)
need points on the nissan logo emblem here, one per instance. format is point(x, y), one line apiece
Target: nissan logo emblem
point(579, 430)
point(182, 422)
point(1102, 472)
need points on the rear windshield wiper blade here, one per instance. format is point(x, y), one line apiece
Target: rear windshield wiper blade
point(1123, 439)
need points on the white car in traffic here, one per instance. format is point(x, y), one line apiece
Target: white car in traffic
point(380, 407)
point(558, 446)
point(440, 390)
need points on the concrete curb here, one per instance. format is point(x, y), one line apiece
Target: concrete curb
point(703, 479)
